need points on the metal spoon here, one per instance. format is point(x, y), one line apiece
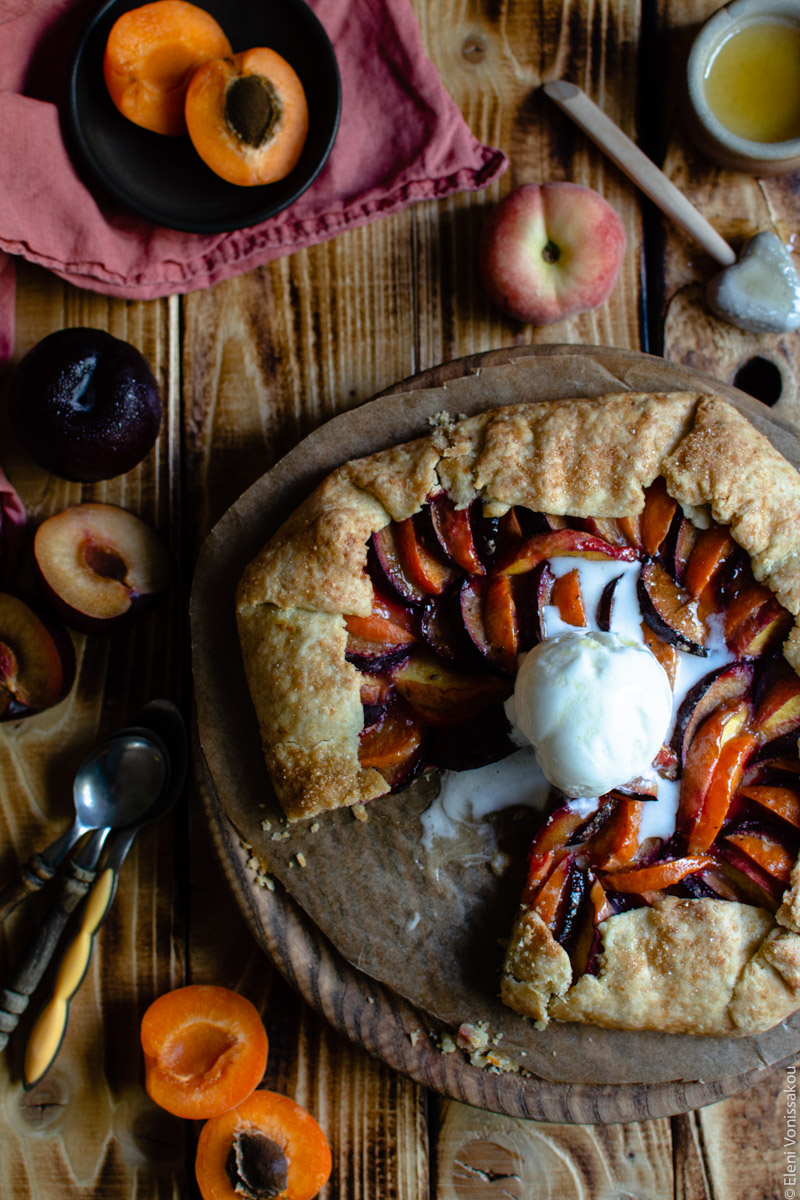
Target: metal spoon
point(48, 1033)
point(112, 787)
point(116, 786)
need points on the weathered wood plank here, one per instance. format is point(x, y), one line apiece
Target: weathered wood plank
point(481, 1155)
point(89, 1124)
point(750, 1141)
point(493, 59)
point(738, 206)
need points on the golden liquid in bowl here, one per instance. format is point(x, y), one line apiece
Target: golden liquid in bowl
point(752, 84)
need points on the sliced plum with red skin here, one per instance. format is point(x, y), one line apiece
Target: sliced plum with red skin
point(426, 570)
point(725, 685)
point(755, 622)
point(587, 938)
point(679, 548)
point(710, 552)
point(440, 695)
point(394, 745)
point(736, 874)
point(471, 599)
point(474, 744)
point(385, 565)
point(485, 531)
point(781, 802)
point(502, 623)
point(376, 694)
point(777, 702)
point(669, 610)
point(443, 631)
point(665, 653)
point(772, 853)
point(568, 923)
point(617, 531)
point(657, 517)
point(453, 529)
point(375, 657)
point(567, 597)
point(605, 605)
point(561, 543)
point(532, 615)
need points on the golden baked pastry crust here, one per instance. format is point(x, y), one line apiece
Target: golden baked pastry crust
point(579, 458)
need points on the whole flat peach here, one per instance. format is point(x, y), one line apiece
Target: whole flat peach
point(549, 251)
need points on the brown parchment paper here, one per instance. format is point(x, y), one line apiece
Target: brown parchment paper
point(430, 925)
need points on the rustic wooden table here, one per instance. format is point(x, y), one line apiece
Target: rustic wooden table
point(247, 368)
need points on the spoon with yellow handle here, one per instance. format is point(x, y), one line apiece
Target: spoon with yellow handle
point(47, 1035)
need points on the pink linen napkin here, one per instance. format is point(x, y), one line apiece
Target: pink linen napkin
point(401, 139)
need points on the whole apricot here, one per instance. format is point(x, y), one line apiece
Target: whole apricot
point(152, 53)
point(247, 116)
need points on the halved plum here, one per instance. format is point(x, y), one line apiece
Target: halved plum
point(37, 660)
point(376, 694)
point(375, 657)
point(100, 566)
point(669, 610)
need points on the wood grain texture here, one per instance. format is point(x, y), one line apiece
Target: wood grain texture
point(738, 206)
point(89, 1125)
point(484, 1156)
point(493, 59)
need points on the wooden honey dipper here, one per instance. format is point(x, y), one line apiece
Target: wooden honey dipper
point(759, 291)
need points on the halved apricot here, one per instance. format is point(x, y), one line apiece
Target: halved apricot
point(247, 116)
point(205, 1050)
point(152, 53)
point(267, 1146)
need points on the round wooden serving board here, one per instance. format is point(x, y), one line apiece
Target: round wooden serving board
point(376, 1015)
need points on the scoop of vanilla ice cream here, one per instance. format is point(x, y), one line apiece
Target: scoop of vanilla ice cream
point(596, 708)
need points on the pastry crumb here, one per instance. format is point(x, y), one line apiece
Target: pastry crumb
point(473, 1037)
point(266, 825)
point(413, 1037)
point(359, 812)
point(500, 863)
point(301, 859)
point(447, 1044)
point(315, 827)
point(253, 863)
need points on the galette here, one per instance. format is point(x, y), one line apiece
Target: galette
point(614, 582)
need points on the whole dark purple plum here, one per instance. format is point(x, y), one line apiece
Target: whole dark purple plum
point(85, 404)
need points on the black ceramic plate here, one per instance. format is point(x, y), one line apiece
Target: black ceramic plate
point(163, 178)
